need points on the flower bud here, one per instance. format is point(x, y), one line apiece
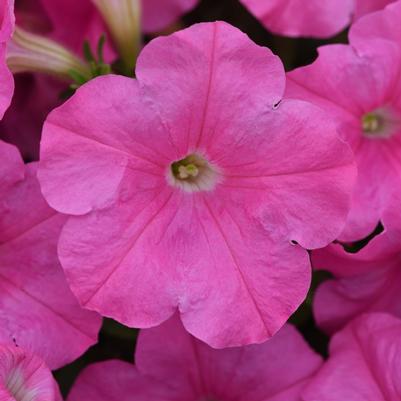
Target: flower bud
point(28, 52)
point(123, 18)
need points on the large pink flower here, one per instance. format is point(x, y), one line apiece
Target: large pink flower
point(186, 186)
point(360, 88)
point(367, 281)
point(37, 309)
point(6, 30)
point(364, 363)
point(172, 365)
point(25, 377)
point(314, 18)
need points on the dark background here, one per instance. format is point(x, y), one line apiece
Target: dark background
point(117, 341)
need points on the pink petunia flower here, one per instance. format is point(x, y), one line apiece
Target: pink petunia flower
point(367, 281)
point(364, 363)
point(172, 365)
point(313, 18)
point(37, 309)
point(6, 30)
point(359, 87)
point(25, 377)
point(186, 186)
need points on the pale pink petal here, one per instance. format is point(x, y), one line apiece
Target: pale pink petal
point(25, 377)
point(35, 301)
point(364, 363)
point(190, 250)
point(314, 18)
point(285, 167)
point(101, 146)
point(196, 87)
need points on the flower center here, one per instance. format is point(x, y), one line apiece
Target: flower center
point(381, 123)
point(193, 173)
point(372, 123)
point(15, 384)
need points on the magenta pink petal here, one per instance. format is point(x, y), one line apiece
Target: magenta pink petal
point(367, 281)
point(382, 24)
point(314, 18)
point(363, 7)
point(173, 365)
point(11, 167)
point(73, 22)
point(363, 364)
point(7, 21)
point(112, 380)
point(157, 16)
point(25, 377)
point(34, 97)
point(35, 301)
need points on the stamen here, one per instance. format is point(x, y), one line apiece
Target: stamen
point(381, 123)
point(193, 173)
point(372, 123)
point(188, 171)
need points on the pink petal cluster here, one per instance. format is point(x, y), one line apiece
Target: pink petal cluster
point(364, 363)
point(37, 309)
point(190, 196)
point(145, 237)
point(311, 18)
point(25, 377)
point(358, 85)
point(173, 365)
point(367, 281)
